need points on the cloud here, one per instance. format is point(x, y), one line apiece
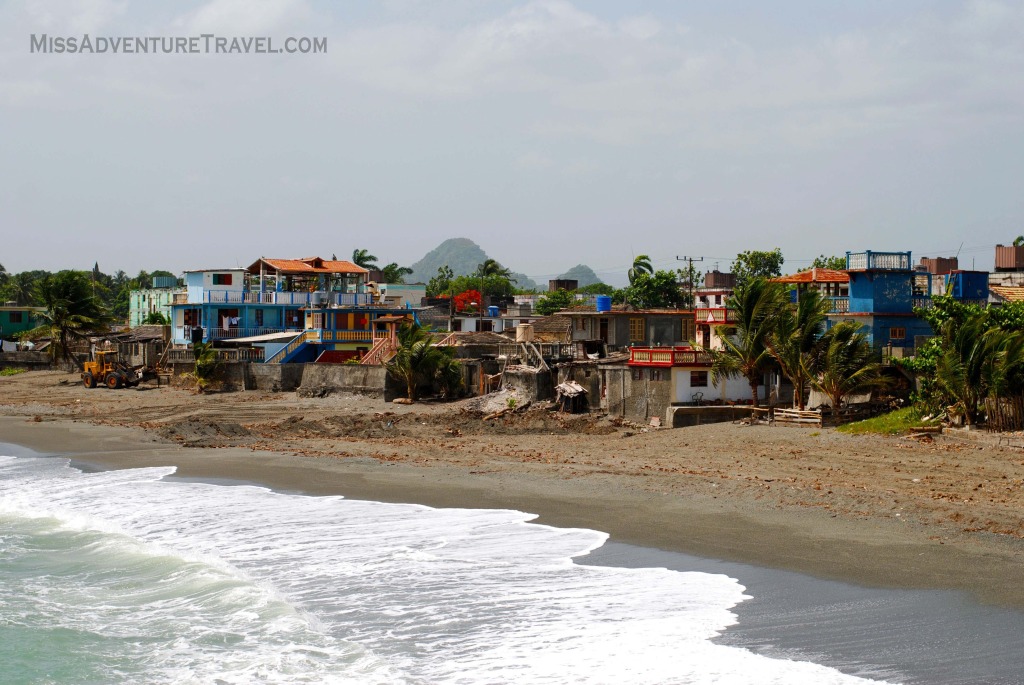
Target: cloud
point(245, 17)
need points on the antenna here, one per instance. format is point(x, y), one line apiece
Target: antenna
point(957, 255)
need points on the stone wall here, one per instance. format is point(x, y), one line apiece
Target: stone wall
point(679, 417)
point(322, 379)
point(32, 361)
point(531, 385)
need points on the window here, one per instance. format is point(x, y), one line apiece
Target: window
point(698, 379)
point(636, 329)
point(689, 329)
point(897, 333)
point(16, 317)
point(658, 375)
point(638, 374)
point(222, 279)
point(259, 317)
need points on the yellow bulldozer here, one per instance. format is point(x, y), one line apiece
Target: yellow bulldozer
point(107, 369)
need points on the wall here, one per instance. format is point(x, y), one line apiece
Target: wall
point(25, 360)
point(275, 377)
point(532, 386)
point(639, 398)
point(322, 379)
point(733, 389)
point(881, 291)
point(681, 417)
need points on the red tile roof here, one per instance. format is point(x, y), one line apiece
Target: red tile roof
point(308, 265)
point(1008, 293)
point(815, 275)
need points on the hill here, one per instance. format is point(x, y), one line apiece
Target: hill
point(463, 256)
point(582, 273)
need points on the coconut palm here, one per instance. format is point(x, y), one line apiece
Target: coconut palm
point(492, 267)
point(364, 259)
point(417, 359)
point(392, 273)
point(845, 364)
point(641, 265)
point(207, 363)
point(792, 343)
point(757, 305)
point(71, 311)
point(21, 288)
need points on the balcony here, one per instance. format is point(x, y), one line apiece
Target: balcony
point(889, 261)
point(668, 356)
point(838, 305)
point(294, 299)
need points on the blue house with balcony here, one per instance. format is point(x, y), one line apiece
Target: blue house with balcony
point(293, 310)
point(884, 290)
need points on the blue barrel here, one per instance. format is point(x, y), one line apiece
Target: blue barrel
point(604, 303)
point(494, 311)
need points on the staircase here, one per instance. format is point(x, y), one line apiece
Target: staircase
point(285, 352)
point(381, 352)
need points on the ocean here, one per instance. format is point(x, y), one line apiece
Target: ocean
point(133, 576)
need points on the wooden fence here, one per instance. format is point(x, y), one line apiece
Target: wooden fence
point(822, 418)
point(1005, 413)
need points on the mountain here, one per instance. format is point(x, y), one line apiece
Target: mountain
point(463, 256)
point(582, 273)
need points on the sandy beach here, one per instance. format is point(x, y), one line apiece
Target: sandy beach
point(885, 512)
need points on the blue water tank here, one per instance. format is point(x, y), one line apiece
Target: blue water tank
point(604, 303)
point(494, 311)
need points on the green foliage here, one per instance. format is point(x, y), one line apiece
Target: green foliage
point(757, 264)
point(845, 364)
point(392, 273)
point(758, 304)
point(364, 259)
point(71, 312)
point(554, 302)
point(511, 403)
point(660, 289)
point(596, 289)
point(11, 371)
point(155, 319)
point(418, 362)
point(441, 284)
point(207, 364)
point(893, 423)
point(490, 268)
point(1018, 241)
point(793, 340)
point(641, 266)
point(835, 263)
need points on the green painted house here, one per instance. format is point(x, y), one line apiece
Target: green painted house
point(15, 320)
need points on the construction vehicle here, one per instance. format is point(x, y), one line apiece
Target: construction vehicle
point(107, 369)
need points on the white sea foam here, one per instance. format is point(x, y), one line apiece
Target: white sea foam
point(193, 582)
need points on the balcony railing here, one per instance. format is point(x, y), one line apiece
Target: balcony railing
point(295, 299)
point(241, 354)
point(668, 356)
point(220, 333)
point(839, 305)
point(715, 316)
point(921, 302)
point(894, 261)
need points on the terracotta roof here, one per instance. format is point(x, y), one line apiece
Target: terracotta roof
point(815, 275)
point(308, 265)
point(551, 324)
point(1008, 293)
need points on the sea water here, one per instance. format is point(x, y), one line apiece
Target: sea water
point(127, 577)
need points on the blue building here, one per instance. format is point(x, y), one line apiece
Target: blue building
point(885, 288)
point(294, 309)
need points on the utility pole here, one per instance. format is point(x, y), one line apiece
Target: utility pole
point(689, 274)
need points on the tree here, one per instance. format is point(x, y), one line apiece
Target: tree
point(155, 319)
point(793, 342)
point(844, 364)
point(660, 289)
point(468, 300)
point(596, 289)
point(441, 283)
point(835, 263)
point(392, 273)
point(757, 304)
point(1018, 241)
point(641, 265)
point(418, 361)
point(491, 267)
point(21, 287)
point(364, 259)
point(555, 302)
point(71, 311)
point(757, 264)
point(207, 363)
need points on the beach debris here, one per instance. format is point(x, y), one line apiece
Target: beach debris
point(454, 432)
point(401, 400)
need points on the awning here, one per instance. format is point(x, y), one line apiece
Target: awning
point(265, 338)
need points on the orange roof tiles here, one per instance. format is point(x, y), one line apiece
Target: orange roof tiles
point(308, 265)
point(1008, 293)
point(815, 275)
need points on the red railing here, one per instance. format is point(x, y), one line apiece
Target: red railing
point(668, 356)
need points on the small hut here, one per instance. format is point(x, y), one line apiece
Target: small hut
point(571, 397)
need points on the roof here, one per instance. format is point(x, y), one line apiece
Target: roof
point(551, 324)
point(1008, 293)
point(308, 265)
point(480, 338)
point(815, 275)
point(267, 337)
point(620, 310)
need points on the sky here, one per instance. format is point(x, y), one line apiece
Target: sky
point(550, 132)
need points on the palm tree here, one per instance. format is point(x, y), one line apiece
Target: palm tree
point(978, 360)
point(21, 287)
point(793, 341)
point(845, 364)
point(417, 360)
point(392, 273)
point(364, 259)
point(641, 265)
point(71, 312)
point(207, 363)
point(757, 306)
point(491, 267)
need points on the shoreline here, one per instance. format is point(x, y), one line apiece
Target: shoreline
point(870, 553)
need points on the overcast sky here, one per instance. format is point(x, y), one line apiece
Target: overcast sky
point(549, 132)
